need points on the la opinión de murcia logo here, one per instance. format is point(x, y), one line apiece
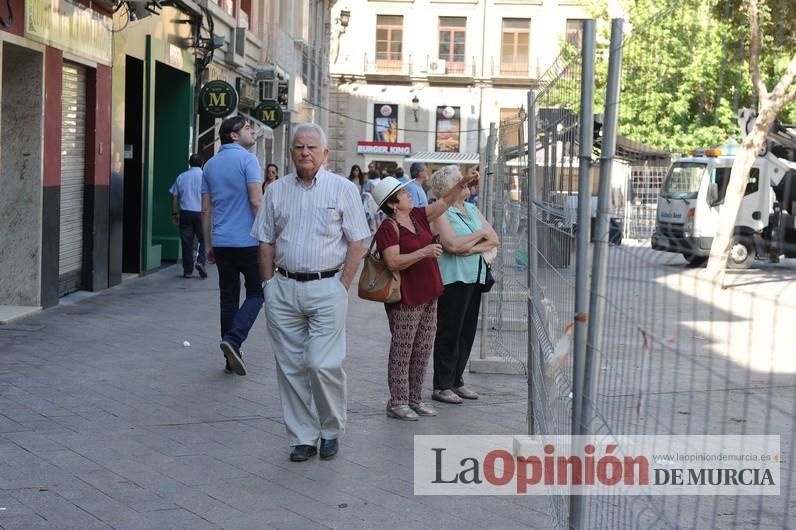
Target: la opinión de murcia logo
point(478, 465)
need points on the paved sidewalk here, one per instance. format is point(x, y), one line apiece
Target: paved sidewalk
point(107, 420)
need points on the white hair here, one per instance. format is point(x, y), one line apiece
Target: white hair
point(310, 127)
point(443, 179)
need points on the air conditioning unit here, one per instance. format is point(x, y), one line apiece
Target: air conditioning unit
point(436, 67)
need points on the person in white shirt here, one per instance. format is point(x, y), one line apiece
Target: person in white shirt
point(311, 229)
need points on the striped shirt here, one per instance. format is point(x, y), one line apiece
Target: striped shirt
point(310, 228)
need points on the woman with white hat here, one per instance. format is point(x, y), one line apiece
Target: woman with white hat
point(406, 244)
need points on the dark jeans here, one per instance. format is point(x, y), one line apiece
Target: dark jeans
point(236, 319)
point(457, 320)
point(190, 226)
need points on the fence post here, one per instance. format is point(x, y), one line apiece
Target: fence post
point(532, 273)
point(602, 227)
point(486, 191)
point(577, 502)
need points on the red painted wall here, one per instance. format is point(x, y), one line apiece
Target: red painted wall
point(98, 127)
point(53, 76)
point(18, 7)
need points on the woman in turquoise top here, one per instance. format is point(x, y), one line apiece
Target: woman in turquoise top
point(465, 236)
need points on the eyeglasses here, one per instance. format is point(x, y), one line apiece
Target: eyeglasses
point(301, 148)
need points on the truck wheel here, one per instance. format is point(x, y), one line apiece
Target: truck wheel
point(742, 253)
point(695, 261)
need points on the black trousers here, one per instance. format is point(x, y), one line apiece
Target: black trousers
point(190, 227)
point(237, 319)
point(457, 322)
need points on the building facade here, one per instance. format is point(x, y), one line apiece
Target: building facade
point(421, 80)
point(99, 112)
point(55, 108)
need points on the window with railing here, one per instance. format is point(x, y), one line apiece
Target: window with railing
point(452, 43)
point(515, 46)
point(574, 32)
point(389, 42)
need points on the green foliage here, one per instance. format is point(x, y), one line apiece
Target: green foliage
point(685, 68)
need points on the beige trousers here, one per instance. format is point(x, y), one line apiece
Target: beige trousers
point(306, 321)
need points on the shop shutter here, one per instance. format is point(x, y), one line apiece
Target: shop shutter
point(73, 177)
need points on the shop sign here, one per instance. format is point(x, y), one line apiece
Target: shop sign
point(218, 99)
point(448, 129)
point(270, 113)
point(385, 123)
point(384, 148)
point(70, 27)
point(214, 73)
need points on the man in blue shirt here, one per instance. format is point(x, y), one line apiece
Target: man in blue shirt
point(186, 211)
point(231, 196)
point(419, 172)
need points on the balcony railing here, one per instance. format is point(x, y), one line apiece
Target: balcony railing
point(389, 67)
point(449, 69)
point(516, 70)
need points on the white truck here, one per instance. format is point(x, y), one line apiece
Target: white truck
point(692, 194)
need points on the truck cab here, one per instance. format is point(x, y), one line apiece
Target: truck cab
point(690, 201)
point(693, 191)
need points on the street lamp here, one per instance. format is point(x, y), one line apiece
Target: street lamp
point(345, 17)
point(415, 106)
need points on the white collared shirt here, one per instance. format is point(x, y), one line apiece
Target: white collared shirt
point(310, 228)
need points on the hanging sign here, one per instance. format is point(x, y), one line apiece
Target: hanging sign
point(218, 99)
point(270, 113)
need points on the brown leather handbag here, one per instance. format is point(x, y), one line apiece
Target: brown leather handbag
point(377, 283)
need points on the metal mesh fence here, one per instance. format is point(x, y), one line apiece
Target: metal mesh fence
point(675, 353)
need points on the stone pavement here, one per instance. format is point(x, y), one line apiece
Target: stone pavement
point(107, 420)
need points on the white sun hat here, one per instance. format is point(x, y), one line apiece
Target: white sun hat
point(386, 188)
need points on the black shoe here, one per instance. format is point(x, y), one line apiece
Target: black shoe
point(187, 275)
point(227, 369)
point(233, 358)
point(202, 271)
point(329, 448)
point(300, 453)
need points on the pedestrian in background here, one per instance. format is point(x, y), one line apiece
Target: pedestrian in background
point(311, 225)
point(186, 212)
point(464, 234)
point(373, 177)
point(399, 174)
point(357, 178)
point(419, 173)
point(231, 196)
point(406, 244)
point(271, 174)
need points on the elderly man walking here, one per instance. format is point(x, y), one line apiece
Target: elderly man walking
point(231, 195)
point(311, 230)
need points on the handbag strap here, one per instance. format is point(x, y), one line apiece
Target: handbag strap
point(373, 240)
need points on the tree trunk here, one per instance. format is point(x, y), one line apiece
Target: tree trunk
point(739, 177)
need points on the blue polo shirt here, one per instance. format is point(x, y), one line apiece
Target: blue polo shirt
point(418, 194)
point(188, 187)
point(225, 178)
